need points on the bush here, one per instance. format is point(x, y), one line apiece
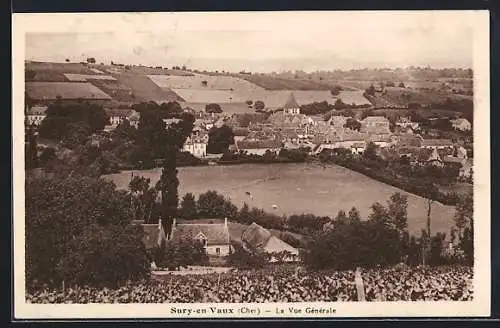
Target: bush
point(245, 260)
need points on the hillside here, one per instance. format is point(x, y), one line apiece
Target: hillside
point(127, 85)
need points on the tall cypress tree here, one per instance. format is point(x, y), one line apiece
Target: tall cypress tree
point(169, 184)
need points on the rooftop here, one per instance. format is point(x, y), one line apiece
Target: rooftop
point(291, 102)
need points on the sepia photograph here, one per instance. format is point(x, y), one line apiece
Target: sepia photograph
point(251, 164)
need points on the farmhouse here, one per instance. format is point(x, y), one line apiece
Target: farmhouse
point(196, 144)
point(153, 235)
point(259, 147)
point(134, 119)
point(67, 92)
point(437, 143)
point(461, 124)
point(36, 114)
point(170, 121)
point(337, 121)
point(358, 148)
point(256, 239)
point(376, 125)
point(214, 237)
point(405, 122)
point(116, 116)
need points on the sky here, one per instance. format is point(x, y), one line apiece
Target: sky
point(258, 42)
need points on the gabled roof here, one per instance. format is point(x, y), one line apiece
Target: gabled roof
point(258, 144)
point(375, 119)
point(120, 112)
point(215, 233)
point(291, 102)
point(153, 235)
point(274, 244)
point(255, 237)
point(437, 142)
point(37, 110)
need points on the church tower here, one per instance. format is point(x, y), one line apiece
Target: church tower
point(291, 105)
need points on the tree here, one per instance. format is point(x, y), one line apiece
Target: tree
point(104, 257)
point(352, 124)
point(212, 205)
point(397, 211)
point(354, 215)
point(59, 210)
point(339, 104)
point(55, 124)
point(91, 60)
point(401, 85)
point(371, 90)
point(259, 105)
point(371, 151)
point(30, 149)
point(29, 75)
point(219, 139)
point(464, 211)
point(168, 186)
point(204, 83)
point(335, 91)
point(181, 252)
point(249, 102)
point(213, 108)
point(188, 208)
point(67, 60)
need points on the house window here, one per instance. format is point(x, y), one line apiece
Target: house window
point(217, 250)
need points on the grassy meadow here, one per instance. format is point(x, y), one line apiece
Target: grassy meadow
point(298, 188)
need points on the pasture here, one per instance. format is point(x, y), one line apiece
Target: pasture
point(353, 97)
point(298, 188)
point(66, 90)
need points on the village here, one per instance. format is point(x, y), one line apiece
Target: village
point(175, 184)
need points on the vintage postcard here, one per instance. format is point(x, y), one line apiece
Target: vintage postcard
point(251, 165)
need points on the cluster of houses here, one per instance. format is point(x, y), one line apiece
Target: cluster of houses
point(290, 129)
point(219, 238)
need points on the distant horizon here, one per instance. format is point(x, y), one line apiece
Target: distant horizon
point(200, 70)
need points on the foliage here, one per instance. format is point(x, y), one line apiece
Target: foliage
point(316, 108)
point(371, 90)
point(59, 212)
point(464, 222)
point(180, 252)
point(352, 124)
point(30, 149)
point(59, 117)
point(335, 91)
point(219, 139)
point(213, 108)
point(104, 256)
point(339, 105)
point(355, 243)
point(188, 208)
point(259, 105)
point(246, 260)
point(212, 205)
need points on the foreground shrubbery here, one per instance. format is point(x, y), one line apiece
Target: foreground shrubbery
point(450, 283)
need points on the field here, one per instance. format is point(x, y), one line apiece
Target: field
point(67, 90)
point(298, 188)
point(276, 83)
point(353, 97)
